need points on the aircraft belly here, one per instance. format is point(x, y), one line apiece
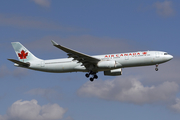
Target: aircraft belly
point(56, 67)
point(65, 67)
point(80, 68)
point(139, 61)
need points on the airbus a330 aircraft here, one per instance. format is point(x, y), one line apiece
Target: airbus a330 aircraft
point(111, 64)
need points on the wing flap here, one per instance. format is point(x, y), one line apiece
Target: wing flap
point(81, 57)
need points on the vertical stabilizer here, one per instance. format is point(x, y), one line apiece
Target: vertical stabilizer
point(22, 53)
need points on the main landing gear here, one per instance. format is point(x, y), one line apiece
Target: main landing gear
point(156, 67)
point(93, 74)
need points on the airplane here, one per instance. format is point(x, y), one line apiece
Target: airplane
point(110, 64)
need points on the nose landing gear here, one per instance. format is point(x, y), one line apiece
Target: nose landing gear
point(93, 74)
point(156, 67)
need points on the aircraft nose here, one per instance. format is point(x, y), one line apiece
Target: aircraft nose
point(170, 57)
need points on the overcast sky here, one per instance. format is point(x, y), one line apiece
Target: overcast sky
point(91, 27)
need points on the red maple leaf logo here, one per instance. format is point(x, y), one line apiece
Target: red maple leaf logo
point(144, 53)
point(23, 55)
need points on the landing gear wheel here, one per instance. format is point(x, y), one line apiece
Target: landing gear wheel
point(95, 77)
point(93, 74)
point(87, 75)
point(156, 69)
point(91, 79)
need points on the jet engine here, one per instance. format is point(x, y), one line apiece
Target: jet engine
point(114, 72)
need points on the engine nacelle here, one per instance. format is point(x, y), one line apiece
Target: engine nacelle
point(114, 72)
point(106, 64)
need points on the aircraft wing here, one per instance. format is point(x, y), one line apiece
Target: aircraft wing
point(81, 57)
point(19, 63)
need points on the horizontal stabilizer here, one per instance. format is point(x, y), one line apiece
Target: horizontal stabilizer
point(20, 63)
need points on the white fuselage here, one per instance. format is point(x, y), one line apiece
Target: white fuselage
point(121, 60)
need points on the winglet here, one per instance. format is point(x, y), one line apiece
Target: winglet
point(54, 43)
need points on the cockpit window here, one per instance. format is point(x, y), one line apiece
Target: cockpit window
point(165, 53)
